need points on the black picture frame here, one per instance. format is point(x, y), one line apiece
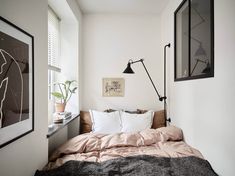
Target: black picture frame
point(16, 82)
point(194, 15)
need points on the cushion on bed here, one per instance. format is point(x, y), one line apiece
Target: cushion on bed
point(104, 122)
point(138, 111)
point(110, 110)
point(86, 124)
point(159, 119)
point(136, 122)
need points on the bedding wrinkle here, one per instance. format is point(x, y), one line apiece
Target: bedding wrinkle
point(161, 142)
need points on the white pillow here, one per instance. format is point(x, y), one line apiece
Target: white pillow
point(104, 122)
point(136, 122)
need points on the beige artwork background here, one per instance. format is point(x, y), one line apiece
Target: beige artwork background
point(113, 87)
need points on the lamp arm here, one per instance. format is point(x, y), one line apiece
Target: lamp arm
point(159, 96)
point(168, 45)
point(165, 104)
point(133, 62)
point(142, 61)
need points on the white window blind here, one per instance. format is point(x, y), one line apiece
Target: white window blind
point(53, 41)
point(53, 50)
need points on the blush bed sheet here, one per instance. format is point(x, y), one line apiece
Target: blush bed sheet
point(90, 148)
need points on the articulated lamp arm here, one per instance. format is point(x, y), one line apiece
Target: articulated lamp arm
point(161, 98)
point(146, 70)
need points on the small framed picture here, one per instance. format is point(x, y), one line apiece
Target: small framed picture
point(113, 87)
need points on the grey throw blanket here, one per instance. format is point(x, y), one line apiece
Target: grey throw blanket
point(135, 166)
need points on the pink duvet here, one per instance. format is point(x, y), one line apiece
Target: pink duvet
point(161, 142)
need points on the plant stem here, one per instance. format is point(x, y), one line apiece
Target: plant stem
point(69, 97)
point(61, 92)
point(66, 92)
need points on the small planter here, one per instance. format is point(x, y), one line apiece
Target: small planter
point(60, 107)
point(63, 94)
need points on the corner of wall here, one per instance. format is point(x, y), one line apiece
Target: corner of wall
point(29, 153)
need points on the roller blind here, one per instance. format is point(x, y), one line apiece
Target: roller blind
point(53, 41)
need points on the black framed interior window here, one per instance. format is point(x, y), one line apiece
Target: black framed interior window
point(194, 40)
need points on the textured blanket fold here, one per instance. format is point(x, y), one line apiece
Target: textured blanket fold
point(161, 142)
point(135, 166)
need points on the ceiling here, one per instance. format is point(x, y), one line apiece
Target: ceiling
point(122, 6)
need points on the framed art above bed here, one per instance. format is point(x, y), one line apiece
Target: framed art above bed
point(16, 82)
point(113, 87)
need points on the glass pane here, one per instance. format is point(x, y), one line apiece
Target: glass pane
point(182, 41)
point(200, 37)
point(52, 78)
point(53, 38)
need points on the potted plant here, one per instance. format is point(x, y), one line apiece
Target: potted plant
point(64, 93)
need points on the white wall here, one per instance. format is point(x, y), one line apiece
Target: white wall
point(109, 41)
point(69, 58)
point(204, 108)
point(78, 14)
point(24, 156)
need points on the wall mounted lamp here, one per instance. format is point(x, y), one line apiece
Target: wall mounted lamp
point(129, 70)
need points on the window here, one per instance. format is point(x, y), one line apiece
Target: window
point(62, 43)
point(194, 40)
point(53, 50)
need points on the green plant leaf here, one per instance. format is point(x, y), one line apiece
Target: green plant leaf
point(57, 95)
point(66, 90)
point(68, 82)
point(74, 90)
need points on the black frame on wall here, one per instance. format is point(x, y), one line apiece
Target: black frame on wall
point(17, 49)
point(206, 64)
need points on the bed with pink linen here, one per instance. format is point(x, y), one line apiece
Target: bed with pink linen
point(151, 152)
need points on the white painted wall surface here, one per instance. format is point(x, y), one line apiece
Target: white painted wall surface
point(69, 59)
point(78, 14)
point(25, 155)
point(109, 41)
point(204, 108)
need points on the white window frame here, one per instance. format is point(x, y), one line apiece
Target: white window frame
point(53, 55)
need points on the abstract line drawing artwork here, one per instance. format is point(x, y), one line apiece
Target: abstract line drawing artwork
point(3, 87)
point(6, 93)
point(113, 87)
point(16, 82)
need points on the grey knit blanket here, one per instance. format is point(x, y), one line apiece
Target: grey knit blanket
point(135, 166)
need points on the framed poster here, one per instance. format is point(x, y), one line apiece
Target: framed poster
point(113, 87)
point(194, 40)
point(16, 82)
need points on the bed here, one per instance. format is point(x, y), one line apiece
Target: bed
point(156, 151)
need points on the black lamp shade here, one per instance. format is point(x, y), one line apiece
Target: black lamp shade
point(128, 69)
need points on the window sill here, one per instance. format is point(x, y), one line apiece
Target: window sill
point(54, 128)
